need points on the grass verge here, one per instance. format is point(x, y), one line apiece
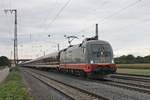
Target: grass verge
point(13, 88)
point(133, 66)
point(134, 71)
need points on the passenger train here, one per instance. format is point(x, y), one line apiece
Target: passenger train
point(92, 58)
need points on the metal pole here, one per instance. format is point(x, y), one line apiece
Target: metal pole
point(16, 40)
point(58, 47)
point(15, 35)
point(96, 31)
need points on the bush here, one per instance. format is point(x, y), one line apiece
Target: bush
point(4, 61)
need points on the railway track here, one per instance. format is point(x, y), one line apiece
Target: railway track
point(74, 93)
point(131, 82)
point(126, 83)
point(131, 77)
point(131, 86)
point(128, 86)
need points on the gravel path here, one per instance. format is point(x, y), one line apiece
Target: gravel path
point(111, 92)
point(39, 90)
point(3, 74)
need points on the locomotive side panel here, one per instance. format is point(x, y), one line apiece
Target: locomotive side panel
point(73, 55)
point(73, 58)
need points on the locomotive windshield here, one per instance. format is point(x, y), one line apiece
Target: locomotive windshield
point(101, 53)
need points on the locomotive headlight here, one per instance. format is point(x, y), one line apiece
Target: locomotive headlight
point(112, 61)
point(91, 62)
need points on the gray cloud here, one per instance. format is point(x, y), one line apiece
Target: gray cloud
point(124, 29)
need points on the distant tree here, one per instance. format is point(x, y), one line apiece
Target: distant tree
point(4, 61)
point(130, 59)
point(125, 59)
point(147, 59)
point(140, 59)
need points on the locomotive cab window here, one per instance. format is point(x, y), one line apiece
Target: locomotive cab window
point(100, 53)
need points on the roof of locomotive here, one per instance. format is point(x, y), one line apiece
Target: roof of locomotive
point(86, 42)
point(98, 41)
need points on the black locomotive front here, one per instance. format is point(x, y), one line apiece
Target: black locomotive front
point(100, 58)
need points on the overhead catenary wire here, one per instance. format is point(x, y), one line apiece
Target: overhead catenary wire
point(104, 19)
point(113, 14)
point(57, 15)
point(59, 12)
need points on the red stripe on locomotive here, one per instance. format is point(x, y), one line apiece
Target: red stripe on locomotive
point(87, 67)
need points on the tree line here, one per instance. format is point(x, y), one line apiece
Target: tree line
point(130, 59)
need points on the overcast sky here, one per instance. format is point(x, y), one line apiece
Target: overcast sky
point(125, 24)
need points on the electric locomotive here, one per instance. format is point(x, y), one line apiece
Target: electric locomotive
point(92, 57)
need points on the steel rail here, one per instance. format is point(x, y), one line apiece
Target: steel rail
point(131, 77)
point(125, 86)
point(47, 84)
point(130, 83)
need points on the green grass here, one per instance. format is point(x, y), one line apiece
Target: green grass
point(133, 66)
point(134, 71)
point(13, 88)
